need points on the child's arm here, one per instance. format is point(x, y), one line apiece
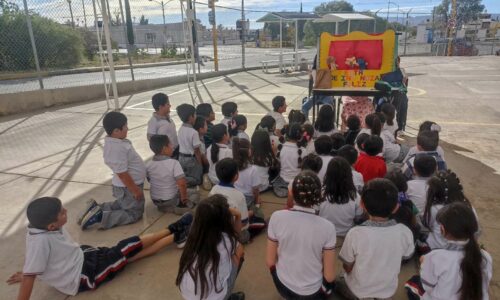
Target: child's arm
point(131, 186)
point(182, 186)
point(197, 154)
point(271, 253)
point(26, 287)
point(289, 200)
point(256, 194)
point(329, 265)
point(237, 219)
point(238, 254)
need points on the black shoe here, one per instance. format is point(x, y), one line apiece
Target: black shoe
point(237, 296)
point(180, 229)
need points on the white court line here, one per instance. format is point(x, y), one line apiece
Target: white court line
point(174, 93)
point(172, 114)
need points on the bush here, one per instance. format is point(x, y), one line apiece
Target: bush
point(58, 46)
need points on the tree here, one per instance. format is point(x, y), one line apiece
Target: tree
point(467, 10)
point(8, 7)
point(128, 20)
point(143, 20)
point(117, 21)
point(313, 30)
point(273, 29)
point(334, 6)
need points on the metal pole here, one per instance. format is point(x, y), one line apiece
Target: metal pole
point(84, 14)
point(105, 17)
point(33, 45)
point(348, 26)
point(281, 44)
point(214, 40)
point(129, 57)
point(243, 33)
point(406, 30)
point(195, 33)
point(99, 43)
point(164, 25)
point(452, 29)
point(387, 19)
point(71, 13)
point(296, 45)
point(336, 28)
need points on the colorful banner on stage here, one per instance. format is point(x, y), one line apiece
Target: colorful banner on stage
point(357, 59)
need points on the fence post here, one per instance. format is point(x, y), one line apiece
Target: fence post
point(126, 41)
point(243, 25)
point(33, 45)
point(107, 34)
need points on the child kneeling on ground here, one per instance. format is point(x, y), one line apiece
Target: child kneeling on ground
point(56, 259)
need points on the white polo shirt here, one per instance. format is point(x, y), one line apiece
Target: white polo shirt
point(318, 133)
point(341, 215)
point(55, 258)
point(289, 158)
point(163, 173)
point(391, 128)
point(441, 274)
point(226, 121)
point(243, 135)
point(164, 126)
point(376, 249)
point(189, 139)
point(417, 192)
point(235, 199)
point(414, 150)
point(224, 152)
point(391, 149)
point(357, 178)
point(263, 174)
point(326, 160)
point(248, 179)
point(280, 120)
point(187, 285)
point(120, 156)
point(302, 236)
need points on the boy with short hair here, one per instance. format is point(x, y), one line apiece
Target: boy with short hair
point(351, 155)
point(427, 143)
point(129, 173)
point(227, 173)
point(160, 122)
point(168, 190)
point(190, 156)
point(229, 110)
point(370, 163)
point(53, 256)
point(424, 167)
point(279, 107)
point(372, 253)
point(205, 110)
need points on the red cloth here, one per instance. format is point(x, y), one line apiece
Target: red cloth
point(369, 50)
point(370, 166)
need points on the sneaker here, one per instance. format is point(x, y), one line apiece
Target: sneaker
point(180, 229)
point(89, 205)
point(94, 216)
point(237, 296)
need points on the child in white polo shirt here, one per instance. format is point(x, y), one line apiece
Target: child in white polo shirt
point(424, 167)
point(161, 123)
point(462, 270)
point(427, 143)
point(323, 146)
point(311, 162)
point(168, 190)
point(229, 110)
point(218, 150)
point(301, 245)
point(53, 256)
point(279, 107)
point(372, 253)
point(190, 155)
point(351, 155)
point(227, 172)
point(129, 173)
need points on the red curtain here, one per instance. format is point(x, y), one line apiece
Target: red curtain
point(369, 50)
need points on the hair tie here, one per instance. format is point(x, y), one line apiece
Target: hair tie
point(435, 127)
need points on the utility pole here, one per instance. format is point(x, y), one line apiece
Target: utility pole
point(33, 44)
point(406, 29)
point(243, 37)
point(453, 23)
point(105, 17)
point(211, 4)
point(129, 57)
point(71, 13)
point(84, 14)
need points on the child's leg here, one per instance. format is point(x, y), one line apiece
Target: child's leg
point(125, 210)
point(192, 170)
point(153, 242)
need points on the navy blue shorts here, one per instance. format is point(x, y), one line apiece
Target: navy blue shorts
point(101, 264)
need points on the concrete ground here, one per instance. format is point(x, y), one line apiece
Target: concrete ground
point(58, 152)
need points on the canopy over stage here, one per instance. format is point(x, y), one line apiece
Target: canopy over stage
point(342, 17)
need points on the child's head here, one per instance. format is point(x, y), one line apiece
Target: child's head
point(306, 189)
point(353, 122)
point(220, 134)
point(115, 124)
point(373, 123)
point(312, 162)
point(200, 125)
point(389, 112)
point(241, 122)
point(46, 213)
point(349, 153)
point(160, 145)
point(262, 151)
point(268, 123)
point(323, 145)
point(161, 104)
point(338, 140)
point(308, 131)
point(294, 132)
point(429, 125)
point(296, 116)
point(428, 140)
point(360, 141)
point(338, 184)
point(424, 165)
point(326, 119)
point(279, 104)
point(379, 197)
point(229, 109)
point(227, 170)
point(399, 179)
point(241, 152)
point(186, 113)
point(205, 110)
point(373, 145)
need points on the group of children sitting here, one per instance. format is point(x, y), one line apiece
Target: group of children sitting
point(357, 195)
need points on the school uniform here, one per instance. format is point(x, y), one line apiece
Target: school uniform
point(275, 140)
point(70, 268)
point(289, 159)
point(278, 117)
point(370, 166)
point(392, 151)
point(350, 136)
point(417, 192)
point(326, 160)
point(189, 141)
point(414, 150)
point(318, 133)
point(163, 125)
point(376, 249)
point(242, 135)
point(224, 152)
point(120, 156)
point(441, 275)
point(248, 179)
point(262, 173)
point(163, 173)
point(341, 215)
point(408, 169)
point(357, 178)
point(226, 276)
point(365, 130)
point(302, 237)
point(390, 128)
point(227, 121)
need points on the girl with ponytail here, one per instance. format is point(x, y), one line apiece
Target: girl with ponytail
point(218, 150)
point(460, 271)
point(268, 124)
point(373, 124)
